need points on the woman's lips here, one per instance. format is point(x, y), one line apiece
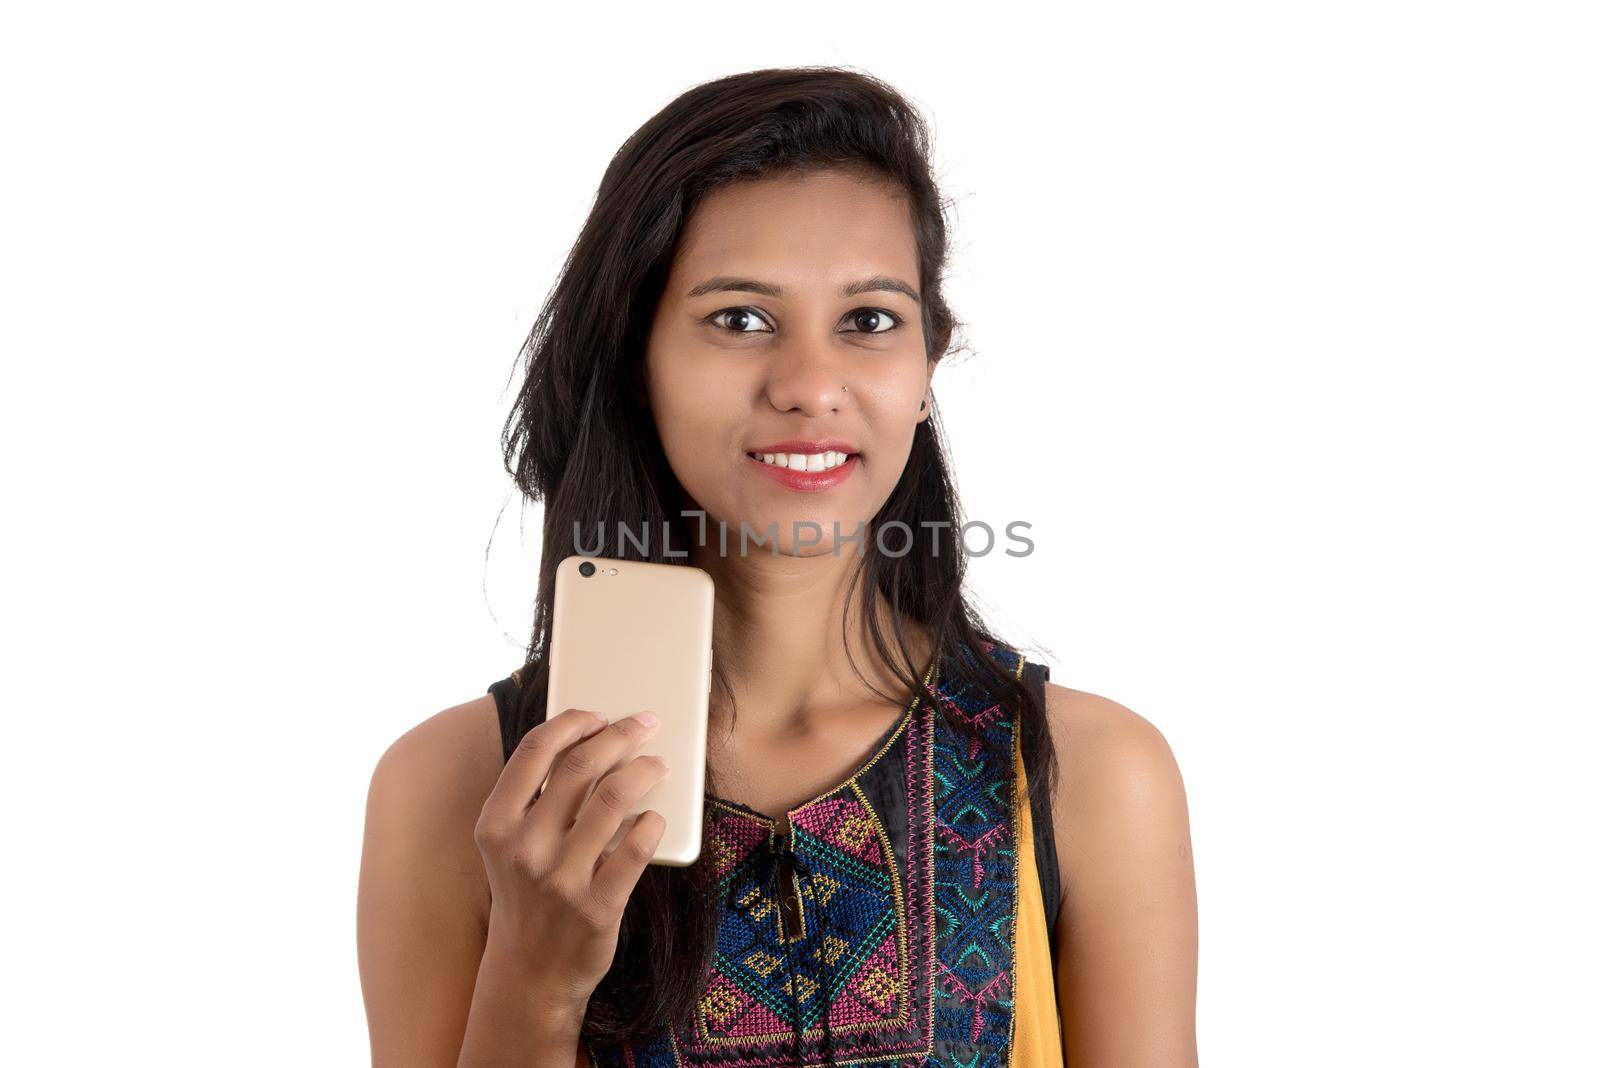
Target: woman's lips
point(806, 481)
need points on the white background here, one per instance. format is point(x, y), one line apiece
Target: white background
point(1282, 320)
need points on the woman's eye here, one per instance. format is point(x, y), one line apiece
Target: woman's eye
point(739, 320)
point(872, 321)
point(749, 321)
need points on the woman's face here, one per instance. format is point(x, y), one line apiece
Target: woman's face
point(784, 292)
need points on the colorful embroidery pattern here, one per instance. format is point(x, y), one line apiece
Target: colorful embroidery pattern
point(848, 959)
point(975, 872)
point(903, 957)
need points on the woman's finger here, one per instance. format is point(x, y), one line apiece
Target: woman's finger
point(616, 877)
point(580, 766)
point(614, 797)
point(532, 759)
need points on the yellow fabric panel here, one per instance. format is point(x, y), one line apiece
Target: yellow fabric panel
point(1036, 1038)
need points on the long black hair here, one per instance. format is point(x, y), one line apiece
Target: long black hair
point(580, 440)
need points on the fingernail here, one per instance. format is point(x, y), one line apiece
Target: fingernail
point(647, 718)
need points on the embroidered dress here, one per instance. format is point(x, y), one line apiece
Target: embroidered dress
point(901, 919)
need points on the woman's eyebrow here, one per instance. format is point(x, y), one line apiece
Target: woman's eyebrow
point(878, 283)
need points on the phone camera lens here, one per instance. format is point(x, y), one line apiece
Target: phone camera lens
point(586, 569)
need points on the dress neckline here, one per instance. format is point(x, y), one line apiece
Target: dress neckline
point(885, 742)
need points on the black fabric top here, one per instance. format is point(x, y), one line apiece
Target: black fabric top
point(1034, 676)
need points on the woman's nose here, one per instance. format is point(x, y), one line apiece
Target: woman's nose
point(806, 381)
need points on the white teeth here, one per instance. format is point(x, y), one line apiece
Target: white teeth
point(804, 461)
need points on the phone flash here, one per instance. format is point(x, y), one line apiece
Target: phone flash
point(613, 571)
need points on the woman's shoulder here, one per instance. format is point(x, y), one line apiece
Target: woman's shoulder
point(429, 786)
point(423, 903)
point(1121, 801)
point(1103, 737)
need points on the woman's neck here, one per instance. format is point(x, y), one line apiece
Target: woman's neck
point(781, 629)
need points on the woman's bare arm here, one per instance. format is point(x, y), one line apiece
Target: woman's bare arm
point(423, 904)
point(1127, 937)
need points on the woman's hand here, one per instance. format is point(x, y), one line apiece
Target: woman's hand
point(558, 893)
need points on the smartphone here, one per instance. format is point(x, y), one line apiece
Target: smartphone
point(629, 637)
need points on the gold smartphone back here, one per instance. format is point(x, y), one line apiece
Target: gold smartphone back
point(634, 637)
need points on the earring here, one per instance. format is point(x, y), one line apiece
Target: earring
point(923, 406)
point(845, 389)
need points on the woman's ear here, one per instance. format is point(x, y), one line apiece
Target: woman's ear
point(925, 407)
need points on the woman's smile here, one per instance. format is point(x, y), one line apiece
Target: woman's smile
point(805, 466)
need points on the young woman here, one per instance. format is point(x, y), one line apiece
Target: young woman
point(747, 331)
